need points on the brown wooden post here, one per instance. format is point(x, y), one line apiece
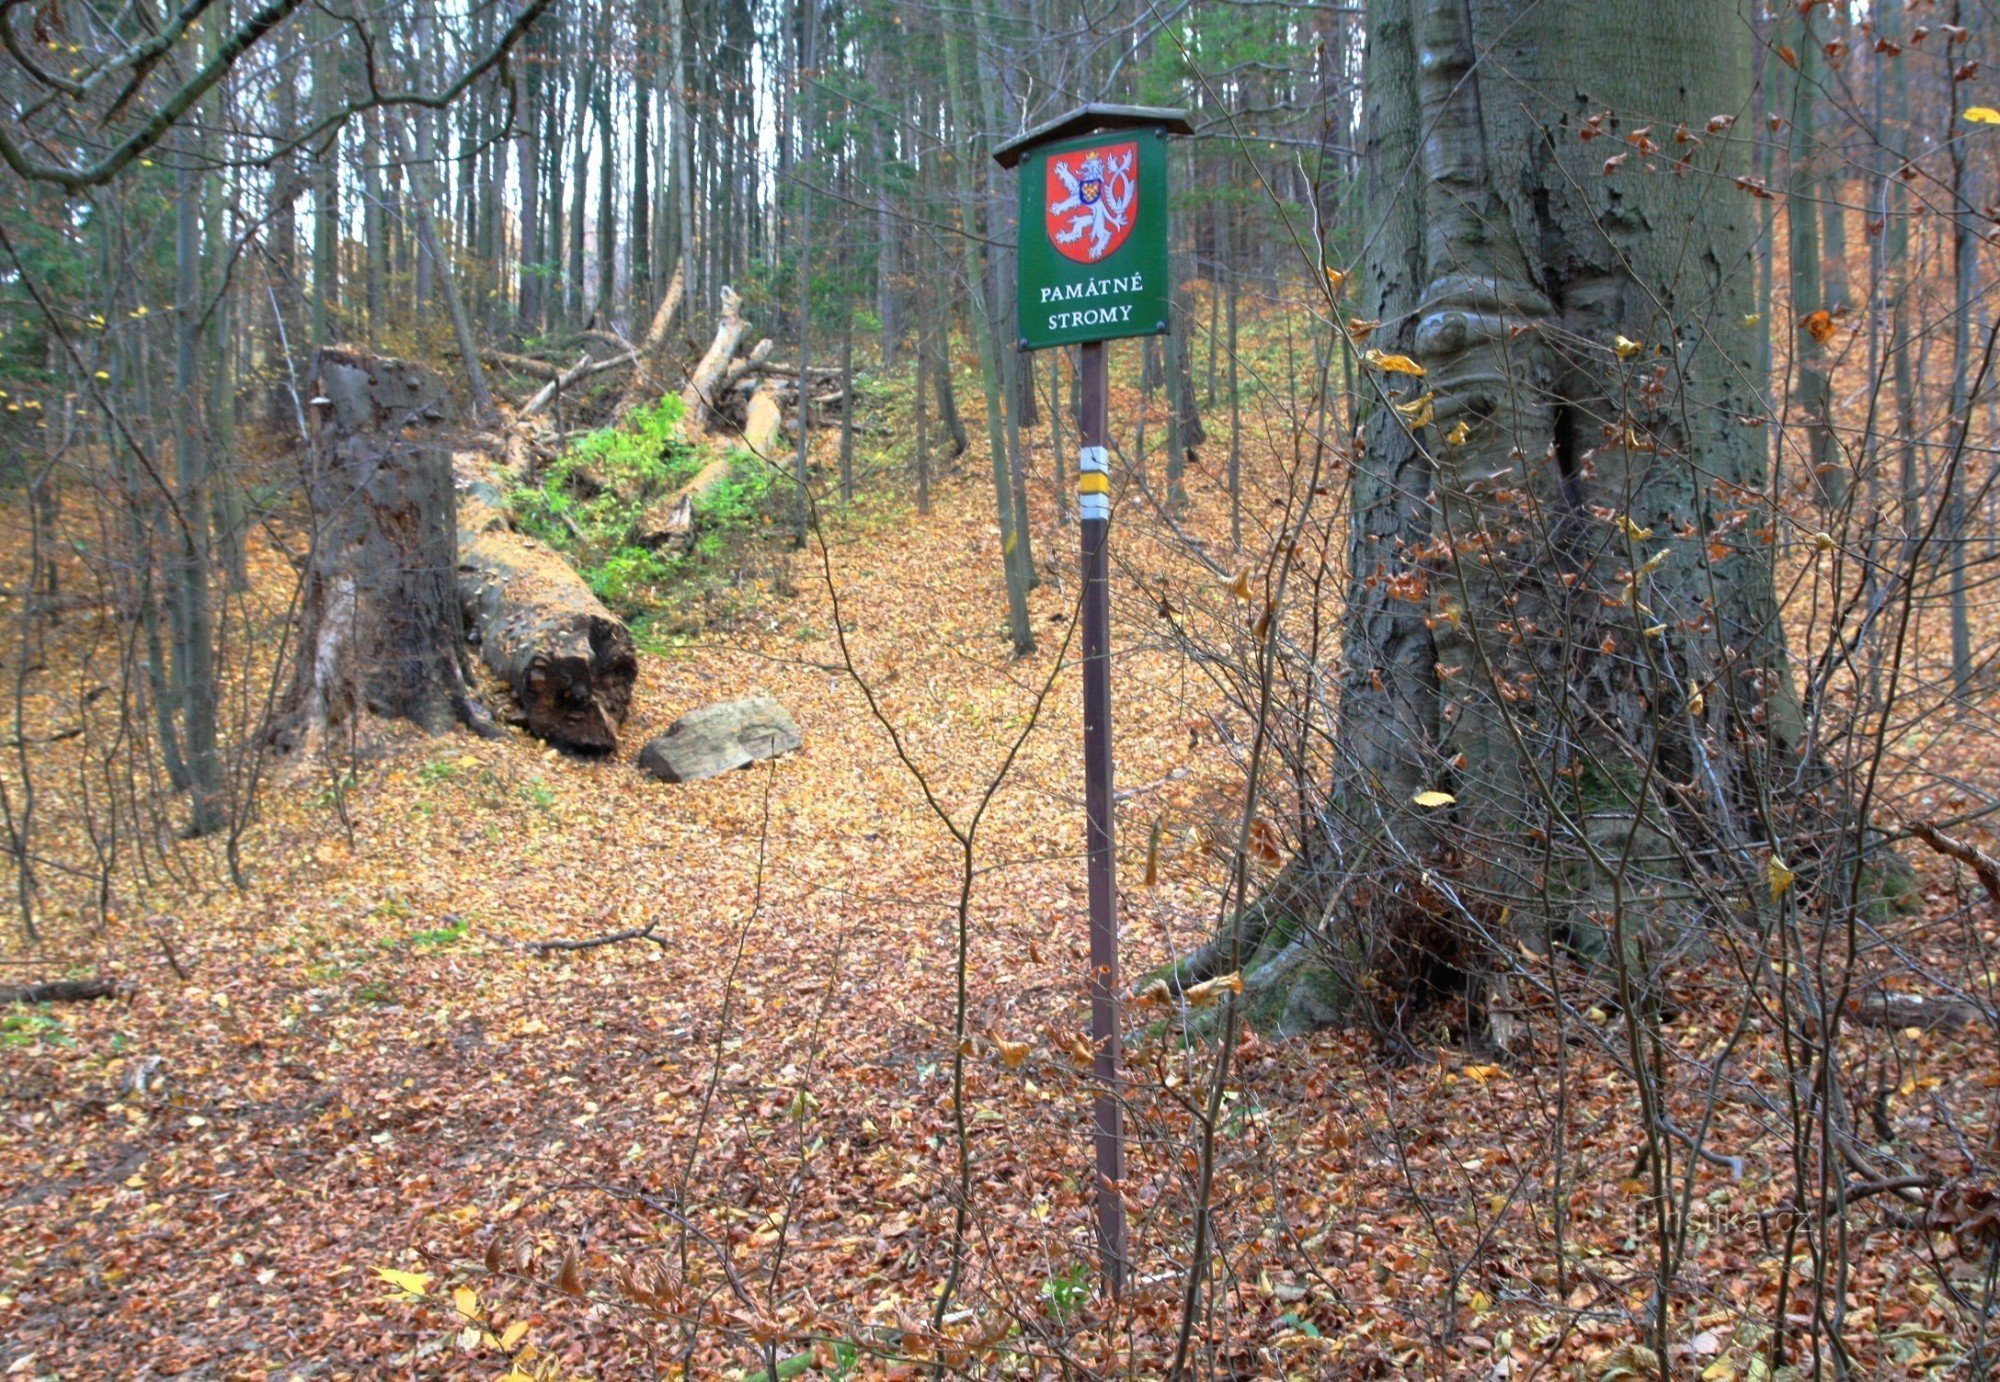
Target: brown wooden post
point(1094, 509)
point(1092, 266)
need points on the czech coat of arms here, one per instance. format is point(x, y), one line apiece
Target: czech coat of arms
point(1092, 200)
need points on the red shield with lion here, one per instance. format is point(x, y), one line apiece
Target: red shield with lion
point(1092, 200)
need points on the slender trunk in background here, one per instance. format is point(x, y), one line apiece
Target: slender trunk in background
point(808, 21)
point(528, 167)
point(888, 305)
point(847, 405)
point(375, 244)
point(1214, 302)
point(426, 274)
point(682, 135)
point(324, 161)
point(1235, 412)
point(1767, 95)
point(1149, 380)
point(923, 418)
point(947, 393)
point(999, 210)
point(285, 314)
point(555, 199)
point(1812, 383)
point(607, 210)
point(1179, 403)
point(640, 237)
point(1965, 278)
point(847, 296)
point(219, 340)
point(194, 634)
point(1058, 462)
point(1019, 629)
point(1896, 250)
point(423, 194)
point(579, 201)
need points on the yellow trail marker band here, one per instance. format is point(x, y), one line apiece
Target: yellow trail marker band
point(1093, 482)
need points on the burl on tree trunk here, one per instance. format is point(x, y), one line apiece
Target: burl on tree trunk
point(380, 622)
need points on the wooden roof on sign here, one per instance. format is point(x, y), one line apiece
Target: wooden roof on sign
point(1089, 120)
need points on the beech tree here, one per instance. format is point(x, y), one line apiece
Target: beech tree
point(1564, 698)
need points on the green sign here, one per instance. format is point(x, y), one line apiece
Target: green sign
point(1093, 239)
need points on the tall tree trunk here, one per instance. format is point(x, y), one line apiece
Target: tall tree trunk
point(1235, 401)
point(1019, 629)
point(947, 395)
point(682, 134)
point(194, 633)
point(324, 161)
point(888, 300)
point(528, 155)
point(607, 210)
point(923, 421)
point(1558, 593)
point(1812, 380)
point(461, 325)
point(1957, 525)
point(579, 200)
point(808, 21)
point(374, 230)
point(286, 300)
point(640, 290)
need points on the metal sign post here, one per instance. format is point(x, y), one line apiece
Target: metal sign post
point(1092, 267)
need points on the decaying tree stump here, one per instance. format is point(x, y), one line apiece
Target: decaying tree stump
point(569, 661)
point(380, 621)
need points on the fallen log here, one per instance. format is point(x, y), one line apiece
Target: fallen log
point(741, 369)
point(1900, 1010)
point(522, 364)
point(670, 522)
point(63, 991)
point(647, 380)
point(789, 371)
point(704, 392)
point(582, 370)
point(569, 661)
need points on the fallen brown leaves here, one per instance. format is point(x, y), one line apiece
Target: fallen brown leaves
point(373, 1136)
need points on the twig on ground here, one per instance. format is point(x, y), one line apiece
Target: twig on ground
point(643, 933)
point(63, 991)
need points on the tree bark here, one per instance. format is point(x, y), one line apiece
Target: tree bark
point(380, 626)
point(1560, 596)
point(194, 625)
point(461, 325)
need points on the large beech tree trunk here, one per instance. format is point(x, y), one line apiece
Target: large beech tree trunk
point(569, 661)
point(1561, 611)
point(380, 626)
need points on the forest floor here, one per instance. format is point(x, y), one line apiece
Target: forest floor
point(685, 1158)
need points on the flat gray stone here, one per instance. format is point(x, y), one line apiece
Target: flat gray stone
point(717, 738)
